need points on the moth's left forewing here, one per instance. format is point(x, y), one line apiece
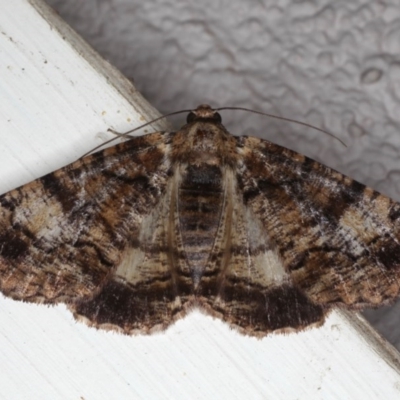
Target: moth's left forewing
point(62, 235)
point(338, 239)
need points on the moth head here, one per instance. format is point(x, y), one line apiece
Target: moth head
point(204, 112)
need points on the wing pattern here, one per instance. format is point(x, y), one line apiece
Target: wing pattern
point(63, 234)
point(339, 239)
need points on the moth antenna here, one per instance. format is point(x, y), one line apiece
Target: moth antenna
point(283, 119)
point(119, 135)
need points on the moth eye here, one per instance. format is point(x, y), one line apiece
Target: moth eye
point(217, 118)
point(191, 117)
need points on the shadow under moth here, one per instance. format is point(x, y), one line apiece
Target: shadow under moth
point(135, 236)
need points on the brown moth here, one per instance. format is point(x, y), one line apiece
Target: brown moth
point(135, 236)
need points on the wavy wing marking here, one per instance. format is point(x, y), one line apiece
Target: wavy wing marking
point(338, 239)
point(247, 283)
point(61, 235)
point(151, 287)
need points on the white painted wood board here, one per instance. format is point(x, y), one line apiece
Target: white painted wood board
point(57, 100)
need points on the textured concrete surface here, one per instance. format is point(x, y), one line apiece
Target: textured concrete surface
point(332, 64)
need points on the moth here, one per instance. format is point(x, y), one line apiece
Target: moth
point(135, 236)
